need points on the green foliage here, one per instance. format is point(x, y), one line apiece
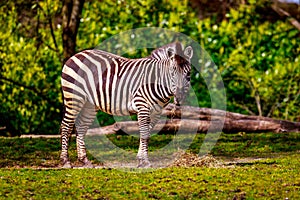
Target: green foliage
point(100, 21)
point(30, 84)
point(258, 60)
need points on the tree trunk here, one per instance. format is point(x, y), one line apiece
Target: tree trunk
point(70, 22)
point(190, 119)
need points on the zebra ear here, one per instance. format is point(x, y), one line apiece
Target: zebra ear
point(171, 52)
point(188, 52)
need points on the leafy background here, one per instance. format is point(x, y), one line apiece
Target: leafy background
point(258, 56)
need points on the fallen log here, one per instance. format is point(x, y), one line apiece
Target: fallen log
point(233, 122)
point(190, 119)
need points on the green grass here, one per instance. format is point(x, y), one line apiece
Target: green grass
point(274, 177)
point(271, 179)
point(45, 152)
point(229, 145)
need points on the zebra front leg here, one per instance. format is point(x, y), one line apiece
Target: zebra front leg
point(144, 141)
point(143, 160)
point(144, 125)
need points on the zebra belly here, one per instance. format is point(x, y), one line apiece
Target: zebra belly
point(124, 107)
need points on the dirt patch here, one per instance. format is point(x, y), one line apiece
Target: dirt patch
point(193, 160)
point(184, 159)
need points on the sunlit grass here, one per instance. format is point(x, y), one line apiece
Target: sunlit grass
point(272, 178)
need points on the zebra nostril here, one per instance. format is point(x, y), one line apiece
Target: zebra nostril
point(177, 101)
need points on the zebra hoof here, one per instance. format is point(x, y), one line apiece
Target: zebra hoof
point(144, 164)
point(86, 163)
point(67, 165)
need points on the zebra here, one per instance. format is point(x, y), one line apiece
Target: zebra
point(94, 80)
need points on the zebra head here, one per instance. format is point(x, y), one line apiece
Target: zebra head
point(180, 68)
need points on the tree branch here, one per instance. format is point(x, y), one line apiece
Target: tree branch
point(52, 33)
point(49, 21)
point(244, 107)
point(282, 12)
point(33, 89)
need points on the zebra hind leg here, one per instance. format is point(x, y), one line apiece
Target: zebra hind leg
point(84, 120)
point(66, 128)
point(72, 107)
point(65, 131)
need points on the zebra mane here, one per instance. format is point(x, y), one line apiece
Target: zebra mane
point(162, 53)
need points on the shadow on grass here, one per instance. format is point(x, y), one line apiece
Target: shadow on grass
point(44, 152)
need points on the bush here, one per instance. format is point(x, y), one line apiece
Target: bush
point(258, 60)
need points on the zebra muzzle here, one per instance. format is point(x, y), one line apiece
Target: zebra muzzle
point(179, 97)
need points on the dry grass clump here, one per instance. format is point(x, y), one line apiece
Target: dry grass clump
point(193, 160)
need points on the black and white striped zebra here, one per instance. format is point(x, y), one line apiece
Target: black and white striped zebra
point(95, 80)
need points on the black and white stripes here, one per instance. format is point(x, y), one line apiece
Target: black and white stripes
point(95, 80)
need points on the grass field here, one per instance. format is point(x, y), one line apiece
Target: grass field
point(275, 175)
